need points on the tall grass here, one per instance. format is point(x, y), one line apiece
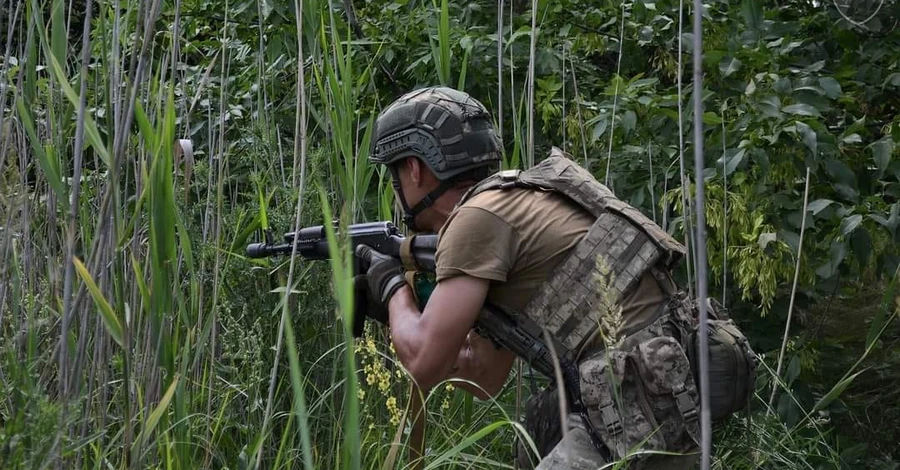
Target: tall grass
point(126, 339)
point(134, 333)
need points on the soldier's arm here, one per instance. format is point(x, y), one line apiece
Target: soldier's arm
point(429, 343)
point(481, 362)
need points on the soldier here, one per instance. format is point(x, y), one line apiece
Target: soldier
point(555, 247)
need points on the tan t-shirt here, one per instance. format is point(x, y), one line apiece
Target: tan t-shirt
point(514, 238)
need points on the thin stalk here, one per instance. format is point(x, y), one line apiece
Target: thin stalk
point(787, 323)
point(512, 94)
point(4, 144)
point(578, 111)
point(563, 120)
point(529, 152)
point(300, 129)
point(685, 201)
point(665, 213)
point(652, 182)
point(705, 417)
point(724, 212)
point(499, 67)
point(617, 78)
point(561, 395)
point(4, 147)
point(72, 220)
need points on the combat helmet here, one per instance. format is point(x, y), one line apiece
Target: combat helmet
point(446, 129)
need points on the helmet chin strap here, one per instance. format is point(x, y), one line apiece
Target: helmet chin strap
point(409, 214)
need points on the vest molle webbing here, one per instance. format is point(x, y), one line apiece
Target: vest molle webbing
point(630, 243)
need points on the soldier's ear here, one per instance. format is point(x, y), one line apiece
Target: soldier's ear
point(414, 165)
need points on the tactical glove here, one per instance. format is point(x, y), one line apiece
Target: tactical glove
point(365, 306)
point(385, 273)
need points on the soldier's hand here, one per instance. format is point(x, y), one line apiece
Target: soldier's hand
point(365, 306)
point(385, 273)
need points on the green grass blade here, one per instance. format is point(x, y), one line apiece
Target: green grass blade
point(341, 259)
point(442, 51)
point(461, 82)
point(110, 319)
point(447, 456)
point(49, 166)
point(90, 127)
point(836, 391)
point(299, 396)
point(58, 34)
point(157, 413)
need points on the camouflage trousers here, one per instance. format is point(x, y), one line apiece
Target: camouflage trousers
point(577, 452)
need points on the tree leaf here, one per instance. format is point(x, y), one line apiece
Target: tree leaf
point(729, 66)
point(711, 119)
point(766, 238)
point(852, 139)
point(831, 86)
point(793, 371)
point(801, 109)
point(770, 106)
point(818, 205)
point(892, 79)
point(847, 192)
point(881, 153)
point(810, 139)
point(629, 121)
point(751, 88)
point(836, 255)
point(732, 162)
point(815, 66)
point(840, 172)
point(752, 12)
point(783, 85)
point(879, 219)
point(599, 129)
point(849, 224)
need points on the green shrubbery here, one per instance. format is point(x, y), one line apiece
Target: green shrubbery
point(169, 361)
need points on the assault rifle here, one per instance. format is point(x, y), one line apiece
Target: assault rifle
point(384, 237)
point(494, 323)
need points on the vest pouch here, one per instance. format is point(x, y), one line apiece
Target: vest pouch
point(732, 368)
point(642, 399)
point(668, 377)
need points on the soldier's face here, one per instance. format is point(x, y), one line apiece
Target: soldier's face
point(416, 182)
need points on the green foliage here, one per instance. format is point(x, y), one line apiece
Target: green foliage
point(172, 337)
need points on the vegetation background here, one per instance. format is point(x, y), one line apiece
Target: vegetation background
point(135, 334)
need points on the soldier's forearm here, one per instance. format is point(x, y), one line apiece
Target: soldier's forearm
point(410, 341)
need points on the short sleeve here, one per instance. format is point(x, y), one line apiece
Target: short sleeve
point(477, 243)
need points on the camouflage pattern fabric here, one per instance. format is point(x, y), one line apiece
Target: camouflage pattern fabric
point(447, 129)
point(575, 452)
point(640, 396)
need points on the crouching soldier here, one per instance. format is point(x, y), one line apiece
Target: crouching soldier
point(585, 277)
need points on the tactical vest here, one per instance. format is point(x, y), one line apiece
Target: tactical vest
point(630, 243)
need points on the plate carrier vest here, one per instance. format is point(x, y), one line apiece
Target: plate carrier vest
point(630, 243)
